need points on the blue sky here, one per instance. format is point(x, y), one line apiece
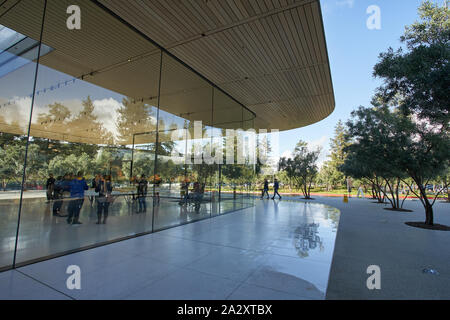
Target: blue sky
point(353, 51)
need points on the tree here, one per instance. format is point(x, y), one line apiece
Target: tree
point(61, 164)
point(416, 82)
point(88, 124)
point(134, 117)
point(418, 78)
point(373, 153)
point(395, 147)
point(12, 161)
point(302, 168)
point(323, 178)
point(337, 157)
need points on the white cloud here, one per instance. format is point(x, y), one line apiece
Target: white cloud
point(286, 154)
point(106, 112)
point(322, 143)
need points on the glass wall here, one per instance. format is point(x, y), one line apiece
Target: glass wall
point(104, 136)
point(19, 52)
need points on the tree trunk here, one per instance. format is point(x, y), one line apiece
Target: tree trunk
point(429, 213)
point(429, 220)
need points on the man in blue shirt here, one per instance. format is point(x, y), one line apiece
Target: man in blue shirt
point(77, 188)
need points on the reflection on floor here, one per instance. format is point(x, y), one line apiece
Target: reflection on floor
point(276, 250)
point(41, 234)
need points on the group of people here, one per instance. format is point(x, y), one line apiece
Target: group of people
point(195, 197)
point(265, 190)
point(73, 187)
point(141, 184)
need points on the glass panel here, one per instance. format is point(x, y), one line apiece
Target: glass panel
point(183, 136)
point(228, 116)
point(251, 157)
point(93, 129)
point(19, 44)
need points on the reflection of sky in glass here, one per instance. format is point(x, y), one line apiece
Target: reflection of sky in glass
point(17, 50)
point(8, 37)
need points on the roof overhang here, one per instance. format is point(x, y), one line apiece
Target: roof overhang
point(272, 58)
point(269, 55)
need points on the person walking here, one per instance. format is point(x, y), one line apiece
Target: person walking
point(360, 192)
point(77, 188)
point(142, 194)
point(276, 186)
point(265, 189)
point(104, 190)
point(50, 186)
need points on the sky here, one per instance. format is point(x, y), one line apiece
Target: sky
point(353, 51)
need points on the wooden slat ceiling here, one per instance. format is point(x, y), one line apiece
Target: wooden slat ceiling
point(268, 54)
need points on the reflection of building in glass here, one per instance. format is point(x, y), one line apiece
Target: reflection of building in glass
point(306, 239)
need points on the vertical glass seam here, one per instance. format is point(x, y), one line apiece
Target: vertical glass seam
point(28, 134)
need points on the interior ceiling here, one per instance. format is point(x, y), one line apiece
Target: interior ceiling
point(270, 55)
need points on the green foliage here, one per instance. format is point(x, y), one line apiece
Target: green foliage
point(417, 79)
point(331, 175)
point(393, 146)
point(302, 168)
point(60, 165)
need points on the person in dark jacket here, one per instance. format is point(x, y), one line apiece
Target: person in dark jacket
point(142, 193)
point(266, 189)
point(104, 188)
point(49, 186)
point(58, 196)
point(77, 188)
point(276, 186)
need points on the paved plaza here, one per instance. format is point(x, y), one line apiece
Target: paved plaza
point(289, 249)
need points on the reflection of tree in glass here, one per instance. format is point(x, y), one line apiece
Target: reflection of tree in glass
point(332, 214)
point(306, 238)
point(87, 123)
point(134, 117)
point(56, 119)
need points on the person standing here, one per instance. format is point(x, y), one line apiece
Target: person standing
point(184, 192)
point(265, 189)
point(104, 189)
point(142, 194)
point(157, 182)
point(360, 192)
point(349, 185)
point(58, 197)
point(77, 188)
point(276, 186)
point(50, 186)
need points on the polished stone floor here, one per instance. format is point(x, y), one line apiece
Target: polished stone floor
point(41, 234)
point(275, 250)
